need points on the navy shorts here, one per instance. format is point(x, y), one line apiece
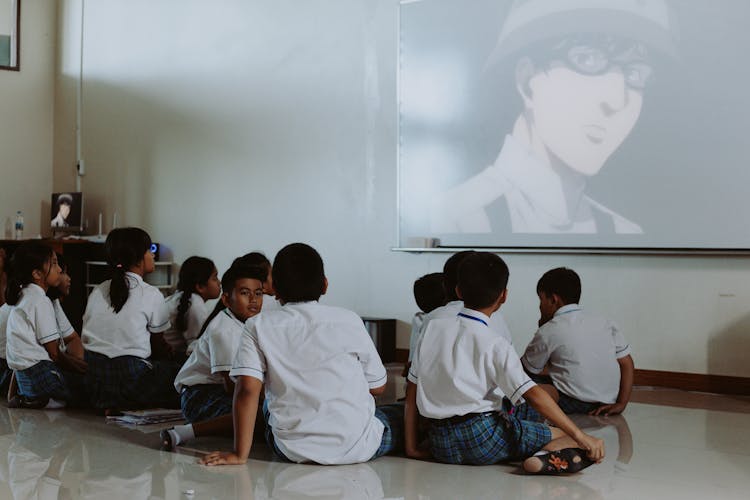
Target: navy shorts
point(5, 376)
point(204, 402)
point(130, 383)
point(486, 438)
point(572, 406)
point(47, 380)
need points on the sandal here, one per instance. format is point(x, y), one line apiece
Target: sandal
point(565, 461)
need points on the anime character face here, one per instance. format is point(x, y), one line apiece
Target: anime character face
point(585, 99)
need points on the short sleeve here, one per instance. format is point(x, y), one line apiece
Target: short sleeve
point(63, 324)
point(221, 350)
point(414, 368)
point(158, 321)
point(622, 348)
point(369, 358)
point(249, 361)
point(537, 353)
point(197, 315)
point(509, 375)
point(45, 323)
point(416, 327)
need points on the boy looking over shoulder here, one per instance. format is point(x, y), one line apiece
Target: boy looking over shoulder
point(585, 356)
point(320, 370)
point(455, 372)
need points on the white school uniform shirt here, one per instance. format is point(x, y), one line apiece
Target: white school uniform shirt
point(214, 352)
point(450, 310)
point(63, 323)
point(4, 314)
point(459, 365)
point(195, 316)
point(581, 352)
point(416, 328)
point(128, 332)
point(318, 364)
point(31, 324)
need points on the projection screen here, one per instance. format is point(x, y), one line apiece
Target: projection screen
point(574, 124)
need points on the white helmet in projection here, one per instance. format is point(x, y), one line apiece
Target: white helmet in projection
point(651, 22)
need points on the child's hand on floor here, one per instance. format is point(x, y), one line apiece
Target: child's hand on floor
point(613, 409)
point(222, 458)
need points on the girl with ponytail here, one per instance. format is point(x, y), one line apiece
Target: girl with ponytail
point(198, 282)
point(45, 375)
point(122, 315)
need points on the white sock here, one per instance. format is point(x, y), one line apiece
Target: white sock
point(181, 433)
point(54, 404)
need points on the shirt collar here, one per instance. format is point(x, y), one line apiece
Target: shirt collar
point(34, 289)
point(475, 314)
point(568, 308)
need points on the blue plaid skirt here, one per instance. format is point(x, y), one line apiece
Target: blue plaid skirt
point(130, 383)
point(392, 417)
point(205, 401)
point(486, 438)
point(47, 380)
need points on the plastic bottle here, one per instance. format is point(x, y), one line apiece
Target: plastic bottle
point(19, 225)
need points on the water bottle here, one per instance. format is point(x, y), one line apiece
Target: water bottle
point(19, 225)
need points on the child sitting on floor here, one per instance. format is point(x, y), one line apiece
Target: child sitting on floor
point(452, 381)
point(585, 356)
point(203, 382)
point(320, 370)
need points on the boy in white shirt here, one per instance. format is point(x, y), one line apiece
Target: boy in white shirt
point(455, 372)
point(320, 370)
point(453, 304)
point(585, 356)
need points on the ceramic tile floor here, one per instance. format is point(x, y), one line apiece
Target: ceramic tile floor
point(653, 451)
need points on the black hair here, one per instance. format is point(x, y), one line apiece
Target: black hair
point(256, 259)
point(298, 274)
point(482, 277)
point(450, 274)
point(228, 280)
point(124, 248)
point(194, 271)
point(561, 281)
point(54, 292)
point(64, 199)
point(428, 292)
point(28, 257)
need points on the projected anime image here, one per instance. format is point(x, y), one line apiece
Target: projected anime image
point(581, 91)
point(564, 84)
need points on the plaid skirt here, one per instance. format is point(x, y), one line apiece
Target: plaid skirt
point(130, 383)
point(486, 438)
point(205, 401)
point(47, 380)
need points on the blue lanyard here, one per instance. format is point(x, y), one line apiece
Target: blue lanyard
point(472, 317)
point(568, 311)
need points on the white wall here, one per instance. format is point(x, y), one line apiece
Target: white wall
point(26, 113)
point(223, 127)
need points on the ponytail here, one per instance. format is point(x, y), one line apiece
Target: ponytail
point(28, 257)
point(217, 309)
point(124, 248)
point(194, 271)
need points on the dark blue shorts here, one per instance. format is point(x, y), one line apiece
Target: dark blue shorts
point(5, 376)
point(572, 406)
point(47, 380)
point(204, 402)
point(486, 438)
point(130, 383)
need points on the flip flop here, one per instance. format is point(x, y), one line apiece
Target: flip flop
point(565, 461)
